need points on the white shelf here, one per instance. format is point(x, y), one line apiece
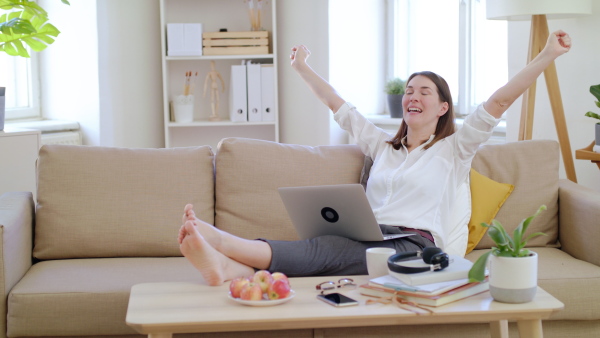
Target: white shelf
point(220, 124)
point(220, 57)
point(213, 15)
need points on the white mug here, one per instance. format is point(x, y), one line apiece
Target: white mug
point(377, 261)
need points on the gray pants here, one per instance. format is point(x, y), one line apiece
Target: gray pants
point(335, 255)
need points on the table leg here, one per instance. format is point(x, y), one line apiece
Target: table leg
point(499, 329)
point(530, 328)
point(160, 335)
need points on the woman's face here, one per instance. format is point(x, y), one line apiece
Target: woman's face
point(421, 104)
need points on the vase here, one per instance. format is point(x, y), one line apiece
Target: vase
point(598, 134)
point(513, 279)
point(395, 105)
point(2, 104)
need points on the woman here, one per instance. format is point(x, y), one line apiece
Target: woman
point(418, 180)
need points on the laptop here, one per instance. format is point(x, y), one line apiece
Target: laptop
point(341, 210)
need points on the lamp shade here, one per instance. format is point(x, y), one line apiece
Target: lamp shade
point(524, 9)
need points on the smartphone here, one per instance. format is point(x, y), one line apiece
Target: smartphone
point(337, 299)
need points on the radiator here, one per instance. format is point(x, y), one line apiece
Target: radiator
point(67, 137)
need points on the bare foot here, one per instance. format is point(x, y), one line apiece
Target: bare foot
point(211, 234)
point(215, 267)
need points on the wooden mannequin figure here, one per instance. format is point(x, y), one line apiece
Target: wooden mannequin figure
point(213, 76)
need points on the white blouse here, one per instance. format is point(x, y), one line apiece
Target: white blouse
point(424, 189)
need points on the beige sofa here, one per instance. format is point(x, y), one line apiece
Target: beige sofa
point(107, 218)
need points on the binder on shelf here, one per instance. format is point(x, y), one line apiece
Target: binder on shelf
point(254, 92)
point(238, 104)
point(267, 84)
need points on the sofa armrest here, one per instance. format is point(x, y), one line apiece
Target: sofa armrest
point(579, 212)
point(16, 236)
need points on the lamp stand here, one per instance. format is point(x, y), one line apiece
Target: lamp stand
point(538, 36)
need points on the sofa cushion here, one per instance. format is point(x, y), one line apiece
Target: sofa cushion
point(93, 293)
point(248, 173)
point(487, 197)
point(532, 167)
point(118, 202)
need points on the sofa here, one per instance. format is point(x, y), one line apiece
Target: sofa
point(106, 219)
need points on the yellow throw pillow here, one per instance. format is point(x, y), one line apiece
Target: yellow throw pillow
point(487, 196)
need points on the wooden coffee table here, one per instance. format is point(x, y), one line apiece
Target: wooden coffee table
point(161, 309)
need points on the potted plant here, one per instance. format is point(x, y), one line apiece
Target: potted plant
point(394, 89)
point(512, 268)
point(595, 90)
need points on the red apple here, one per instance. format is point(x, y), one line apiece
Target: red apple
point(279, 289)
point(236, 285)
point(263, 278)
point(251, 291)
point(279, 276)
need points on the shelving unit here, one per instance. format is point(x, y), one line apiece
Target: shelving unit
point(214, 15)
point(587, 153)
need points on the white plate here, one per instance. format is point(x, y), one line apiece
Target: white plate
point(264, 302)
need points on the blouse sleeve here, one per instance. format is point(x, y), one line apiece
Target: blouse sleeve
point(365, 134)
point(477, 129)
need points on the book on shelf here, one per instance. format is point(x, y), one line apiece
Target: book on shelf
point(421, 298)
point(458, 268)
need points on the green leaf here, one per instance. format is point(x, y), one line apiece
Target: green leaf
point(477, 271)
point(37, 40)
point(595, 90)
point(594, 115)
point(16, 26)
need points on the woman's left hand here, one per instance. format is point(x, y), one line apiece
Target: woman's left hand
point(558, 43)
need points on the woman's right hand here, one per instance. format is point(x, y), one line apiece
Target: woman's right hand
point(299, 55)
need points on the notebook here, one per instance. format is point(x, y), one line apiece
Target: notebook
point(341, 210)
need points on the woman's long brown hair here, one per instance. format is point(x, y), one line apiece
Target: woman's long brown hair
point(445, 126)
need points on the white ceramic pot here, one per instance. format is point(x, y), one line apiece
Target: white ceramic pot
point(513, 279)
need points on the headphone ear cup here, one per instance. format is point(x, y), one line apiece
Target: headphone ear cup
point(429, 252)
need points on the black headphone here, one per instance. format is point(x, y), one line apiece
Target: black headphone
point(433, 256)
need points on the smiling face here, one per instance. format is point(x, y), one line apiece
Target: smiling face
point(422, 105)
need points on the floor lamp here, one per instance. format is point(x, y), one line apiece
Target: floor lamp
point(538, 11)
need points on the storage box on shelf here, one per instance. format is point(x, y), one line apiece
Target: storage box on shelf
point(235, 43)
point(237, 46)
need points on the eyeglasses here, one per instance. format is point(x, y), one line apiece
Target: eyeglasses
point(329, 286)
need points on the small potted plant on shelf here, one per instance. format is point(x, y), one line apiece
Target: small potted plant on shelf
point(512, 268)
point(394, 89)
point(595, 90)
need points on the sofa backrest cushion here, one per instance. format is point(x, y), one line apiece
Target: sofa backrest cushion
point(118, 202)
point(532, 167)
point(248, 173)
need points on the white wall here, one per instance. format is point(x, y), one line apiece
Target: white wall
point(131, 88)
point(303, 118)
point(577, 71)
point(104, 71)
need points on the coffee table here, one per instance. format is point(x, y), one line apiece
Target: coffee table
point(161, 309)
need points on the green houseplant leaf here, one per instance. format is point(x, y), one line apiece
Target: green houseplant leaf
point(595, 90)
point(26, 23)
point(395, 86)
point(505, 245)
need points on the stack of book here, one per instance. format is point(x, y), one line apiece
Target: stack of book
point(432, 288)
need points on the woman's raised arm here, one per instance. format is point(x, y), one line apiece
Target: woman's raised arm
point(558, 43)
point(321, 88)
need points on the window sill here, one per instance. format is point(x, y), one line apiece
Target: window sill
point(45, 126)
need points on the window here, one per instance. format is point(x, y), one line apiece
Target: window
point(454, 39)
point(19, 76)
